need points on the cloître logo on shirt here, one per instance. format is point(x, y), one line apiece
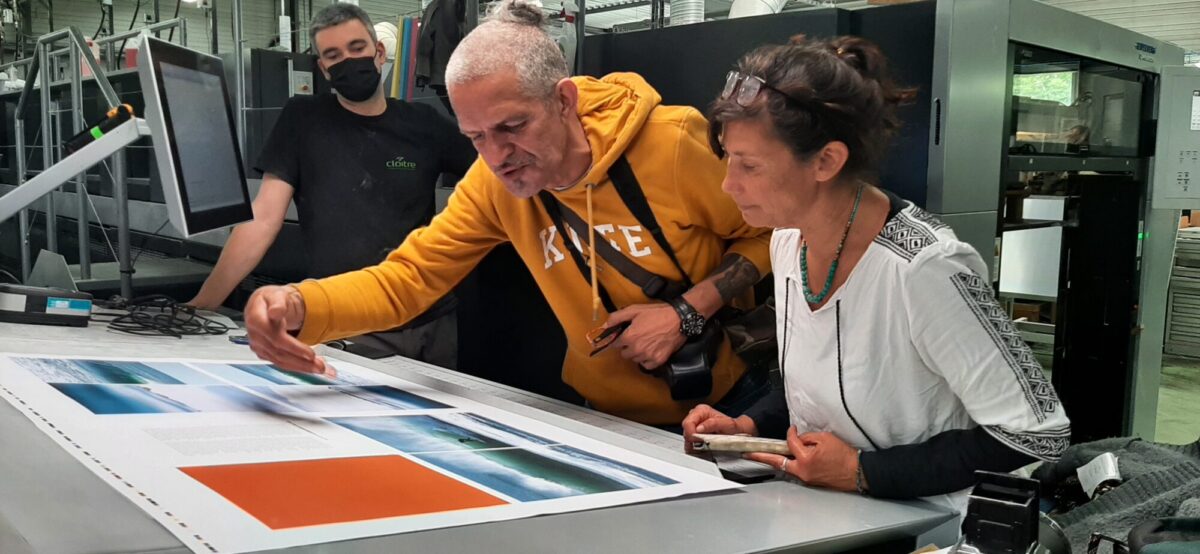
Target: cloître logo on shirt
point(401, 164)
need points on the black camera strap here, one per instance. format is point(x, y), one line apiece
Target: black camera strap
point(652, 285)
point(689, 377)
point(631, 194)
point(554, 210)
point(630, 191)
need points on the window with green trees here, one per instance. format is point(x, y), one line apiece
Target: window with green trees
point(1058, 86)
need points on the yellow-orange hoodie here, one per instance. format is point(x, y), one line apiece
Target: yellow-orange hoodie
point(668, 149)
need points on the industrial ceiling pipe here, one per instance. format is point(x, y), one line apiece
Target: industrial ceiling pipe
point(750, 8)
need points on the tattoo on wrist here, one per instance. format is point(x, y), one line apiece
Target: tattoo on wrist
point(734, 276)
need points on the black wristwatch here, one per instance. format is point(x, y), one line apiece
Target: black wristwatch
point(691, 323)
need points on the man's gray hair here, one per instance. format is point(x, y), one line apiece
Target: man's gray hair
point(510, 38)
point(336, 14)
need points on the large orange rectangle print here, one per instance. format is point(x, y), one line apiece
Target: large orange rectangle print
point(285, 495)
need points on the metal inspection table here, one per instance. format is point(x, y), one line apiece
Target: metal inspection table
point(50, 503)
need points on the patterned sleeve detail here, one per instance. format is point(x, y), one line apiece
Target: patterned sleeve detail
point(1038, 391)
point(1047, 446)
point(905, 236)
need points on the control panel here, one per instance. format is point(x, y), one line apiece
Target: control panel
point(1177, 154)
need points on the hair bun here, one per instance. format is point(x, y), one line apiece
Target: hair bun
point(861, 55)
point(868, 60)
point(520, 12)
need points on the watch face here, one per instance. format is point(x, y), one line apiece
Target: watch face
point(691, 323)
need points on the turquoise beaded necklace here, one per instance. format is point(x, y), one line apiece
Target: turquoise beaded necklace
point(820, 297)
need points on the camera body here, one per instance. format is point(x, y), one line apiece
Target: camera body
point(688, 371)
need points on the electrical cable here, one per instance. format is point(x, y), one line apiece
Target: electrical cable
point(10, 276)
point(157, 315)
point(145, 239)
point(121, 50)
point(29, 160)
point(32, 224)
point(33, 148)
point(103, 16)
point(176, 16)
point(207, 26)
point(103, 230)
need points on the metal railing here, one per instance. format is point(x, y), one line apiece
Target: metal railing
point(55, 60)
point(47, 61)
point(107, 44)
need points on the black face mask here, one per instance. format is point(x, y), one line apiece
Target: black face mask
point(356, 79)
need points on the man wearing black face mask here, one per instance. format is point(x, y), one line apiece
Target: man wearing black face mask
point(362, 169)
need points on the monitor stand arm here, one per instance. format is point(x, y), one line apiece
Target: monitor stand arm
point(111, 144)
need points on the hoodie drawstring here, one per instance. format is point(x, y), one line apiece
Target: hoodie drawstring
point(592, 255)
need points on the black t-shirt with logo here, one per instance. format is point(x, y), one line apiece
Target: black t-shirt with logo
point(362, 183)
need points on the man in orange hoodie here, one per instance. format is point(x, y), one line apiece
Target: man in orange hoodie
point(539, 131)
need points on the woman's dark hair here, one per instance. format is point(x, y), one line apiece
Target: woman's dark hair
point(824, 90)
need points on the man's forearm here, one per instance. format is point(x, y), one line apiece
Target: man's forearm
point(729, 280)
point(245, 248)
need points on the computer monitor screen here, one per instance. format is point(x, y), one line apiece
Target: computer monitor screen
point(191, 120)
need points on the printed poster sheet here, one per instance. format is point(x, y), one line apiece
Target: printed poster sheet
point(238, 456)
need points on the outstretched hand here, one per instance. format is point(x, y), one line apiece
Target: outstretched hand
point(272, 314)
